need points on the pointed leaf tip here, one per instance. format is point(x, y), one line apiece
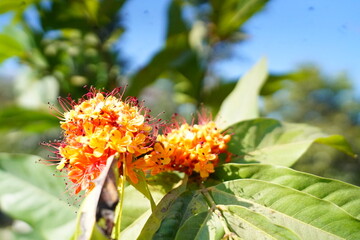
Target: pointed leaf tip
point(242, 102)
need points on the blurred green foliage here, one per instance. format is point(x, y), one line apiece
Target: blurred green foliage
point(329, 102)
point(72, 45)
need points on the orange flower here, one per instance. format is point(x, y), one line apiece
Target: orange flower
point(98, 126)
point(188, 149)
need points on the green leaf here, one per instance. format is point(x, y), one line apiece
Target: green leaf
point(205, 225)
point(338, 142)
point(30, 193)
point(10, 5)
point(135, 212)
point(216, 95)
point(175, 52)
point(132, 231)
point(158, 64)
point(108, 10)
point(344, 195)
point(9, 47)
point(161, 211)
point(263, 209)
point(26, 119)
point(164, 182)
point(242, 102)
point(251, 225)
point(304, 214)
point(273, 142)
point(274, 83)
point(230, 15)
point(142, 186)
point(176, 24)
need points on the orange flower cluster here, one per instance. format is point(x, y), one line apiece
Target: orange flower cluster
point(188, 148)
point(101, 125)
point(97, 127)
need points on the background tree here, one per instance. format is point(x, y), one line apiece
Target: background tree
point(66, 45)
point(329, 102)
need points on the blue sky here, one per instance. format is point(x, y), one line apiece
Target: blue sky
point(288, 33)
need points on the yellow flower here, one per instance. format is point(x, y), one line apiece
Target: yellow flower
point(204, 169)
point(119, 142)
point(98, 126)
point(188, 149)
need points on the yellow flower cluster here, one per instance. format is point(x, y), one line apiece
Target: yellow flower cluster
point(101, 125)
point(98, 127)
point(187, 149)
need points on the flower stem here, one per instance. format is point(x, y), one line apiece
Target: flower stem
point(118, 210)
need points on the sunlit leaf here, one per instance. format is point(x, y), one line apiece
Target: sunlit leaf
point(242, 102)
point(30, 192)
point(243, 222)
point(264, 208)
point(271, 141)
point(306, 215)
point(344, 195)
point(250, 225)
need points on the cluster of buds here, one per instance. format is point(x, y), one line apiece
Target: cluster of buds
point(101, 125)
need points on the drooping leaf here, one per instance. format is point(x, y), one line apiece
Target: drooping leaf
point(242, 102)
point(142, 186)
point(344, 195)
point(338, 142)
point(273, 142)
point(30, 192)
